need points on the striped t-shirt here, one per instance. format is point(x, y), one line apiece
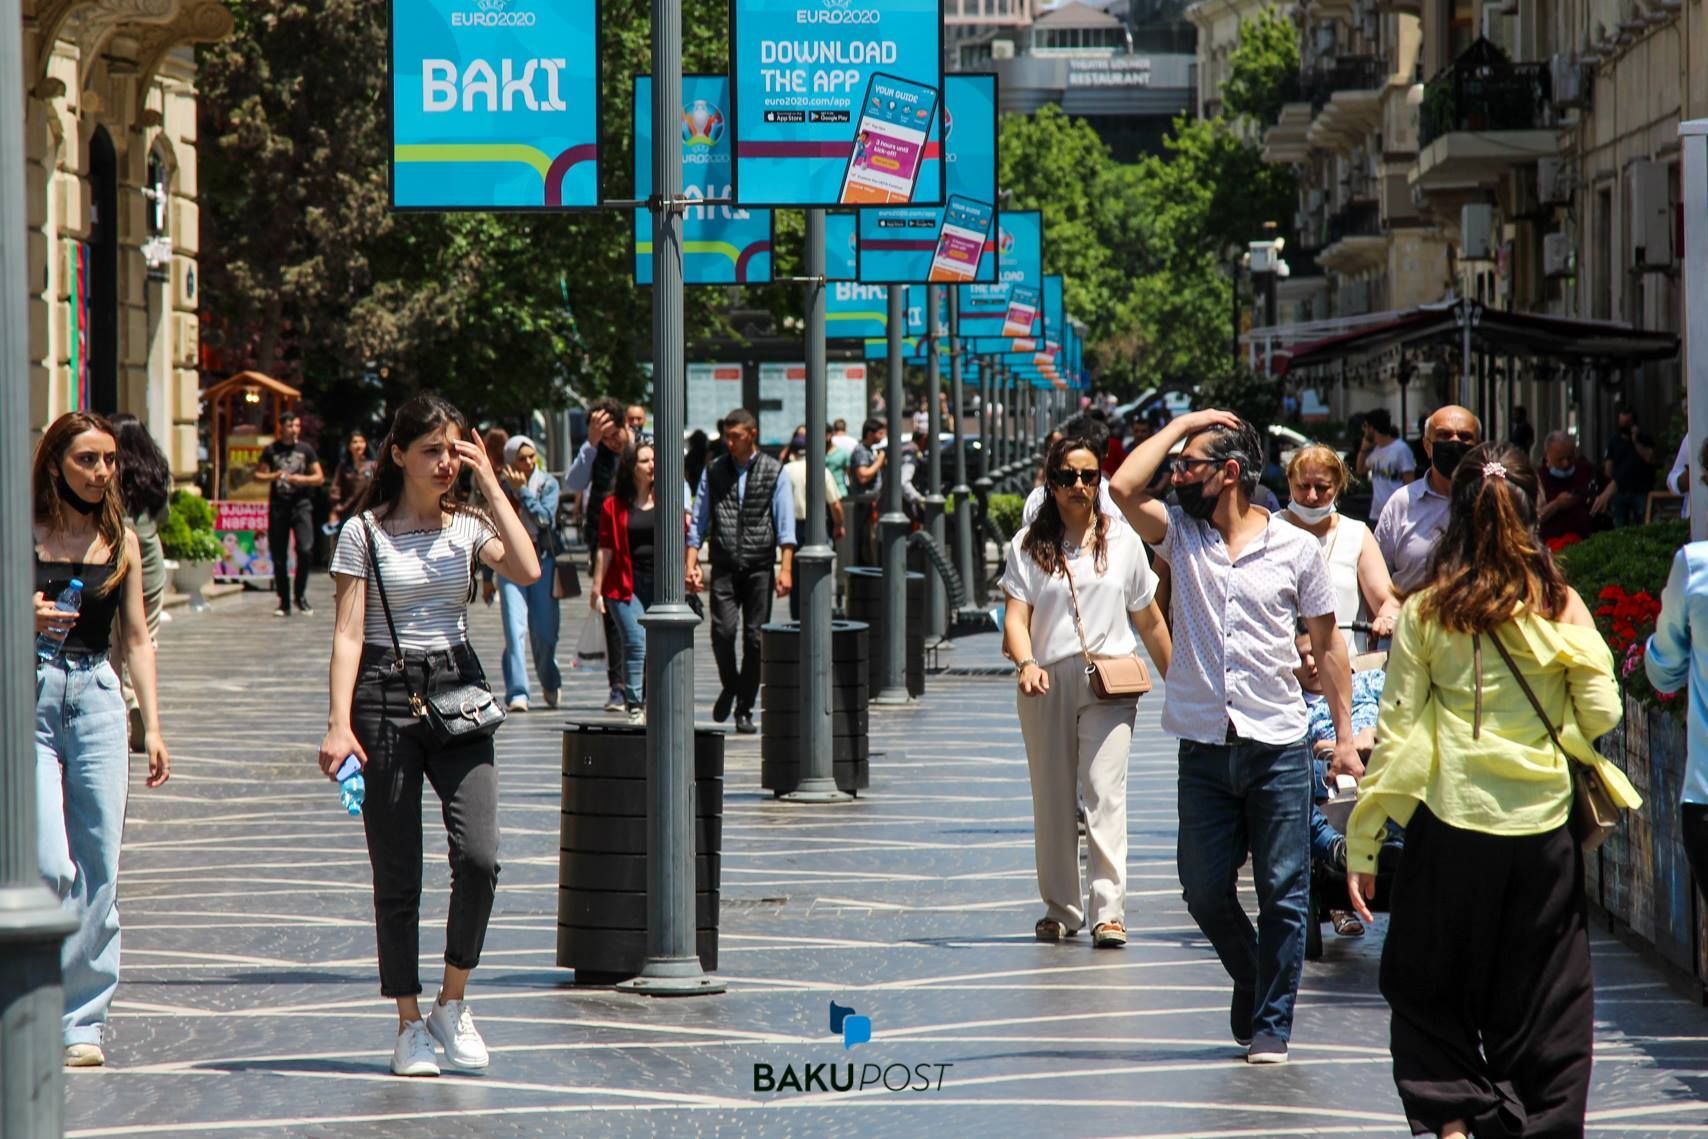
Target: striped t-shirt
point(428, 575)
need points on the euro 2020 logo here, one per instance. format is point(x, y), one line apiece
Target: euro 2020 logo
point(702, 123)
point(1005, 243)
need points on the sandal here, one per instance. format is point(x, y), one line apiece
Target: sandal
point(1049, 929)
point(1108, 935)
point(1346, 923)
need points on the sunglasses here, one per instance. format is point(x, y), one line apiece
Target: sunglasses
point(1067, 476)
point(1183, 465)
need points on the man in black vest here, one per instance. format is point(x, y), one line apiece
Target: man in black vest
point(746, 509)
point(593, 474)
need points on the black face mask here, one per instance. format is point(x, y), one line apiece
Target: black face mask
point(73, 500)
point(1445, 457)
point(1192, 499)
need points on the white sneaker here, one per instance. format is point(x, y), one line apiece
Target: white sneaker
point(637, 715)
point(519, 704)
point(452, 1025)
point(84, 1056)
point(413, 1055)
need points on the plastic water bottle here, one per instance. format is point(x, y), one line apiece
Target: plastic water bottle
point(350, 785)
point(48, 645)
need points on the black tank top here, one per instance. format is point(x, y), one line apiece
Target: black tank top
point(92, 633)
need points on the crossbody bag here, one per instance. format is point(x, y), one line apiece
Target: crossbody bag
point(461, 714)
point(1595, 815)
point(1112, 678)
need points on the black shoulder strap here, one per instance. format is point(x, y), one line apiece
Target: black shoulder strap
point(379, 584)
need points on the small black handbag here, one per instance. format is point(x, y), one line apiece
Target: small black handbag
point(458, 715)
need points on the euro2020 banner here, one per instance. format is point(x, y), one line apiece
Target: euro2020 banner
point(841, 252)
point(836, 101)
point(953, 242)
point(721, 245)
point(999, 310)
point(494, 104)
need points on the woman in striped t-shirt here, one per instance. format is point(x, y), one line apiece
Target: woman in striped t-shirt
point(427, 540)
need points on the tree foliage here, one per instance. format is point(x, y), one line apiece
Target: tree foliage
point(1263, 68)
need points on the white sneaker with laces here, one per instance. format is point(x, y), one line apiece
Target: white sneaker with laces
point(519, 704)
point(452, 1025)
point(413, 1055)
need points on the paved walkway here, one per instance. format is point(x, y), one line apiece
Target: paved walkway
point(250, 999)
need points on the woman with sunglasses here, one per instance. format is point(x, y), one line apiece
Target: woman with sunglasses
point(1077, 586)
point(82, 759)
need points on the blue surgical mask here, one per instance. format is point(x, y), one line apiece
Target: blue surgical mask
point(1562, 472)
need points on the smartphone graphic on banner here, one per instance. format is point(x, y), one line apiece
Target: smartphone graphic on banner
point(889, 142)
point(1022, 311)
point(960, 239)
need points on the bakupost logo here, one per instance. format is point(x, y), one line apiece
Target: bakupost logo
point(854, 1030)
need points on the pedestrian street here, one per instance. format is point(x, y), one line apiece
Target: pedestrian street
point(250, 1006)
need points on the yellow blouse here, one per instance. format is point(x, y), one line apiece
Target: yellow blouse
point(1506, 778)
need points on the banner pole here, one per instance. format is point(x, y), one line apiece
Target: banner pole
point(961, 492)
point(672, 965)
point(814, 558)
point(893, 524)
point(936, 592)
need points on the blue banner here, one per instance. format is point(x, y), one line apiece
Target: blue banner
point(916, 300)
point(721, 245)
point(954, 242)
point(837, 102)
point(1054, 312)
point(983, 308)
point(841, 259)
point(494, 106)
point(855, 312)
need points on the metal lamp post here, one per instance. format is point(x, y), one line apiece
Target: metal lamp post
point(892, 524)
point(672, 965)
point(936, 596)
point(961, 491)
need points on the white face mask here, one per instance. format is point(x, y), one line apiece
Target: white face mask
point(1310, 515)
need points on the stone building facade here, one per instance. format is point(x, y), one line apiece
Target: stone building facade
point(112, 210)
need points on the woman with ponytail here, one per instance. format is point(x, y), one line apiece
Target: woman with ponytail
point(82, 756)
point(1486, 965)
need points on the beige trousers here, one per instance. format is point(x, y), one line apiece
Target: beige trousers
point(1076, 752)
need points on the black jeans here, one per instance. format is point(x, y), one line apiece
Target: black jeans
point(284, 518)
point(740, 597)
point(1487, 969)
point(1694, 829)
point(401, 751)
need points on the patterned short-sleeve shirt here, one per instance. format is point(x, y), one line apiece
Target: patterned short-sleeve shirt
point(1366, 702)
point(1233, 626)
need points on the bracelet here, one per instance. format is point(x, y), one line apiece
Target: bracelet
point(1021, 667)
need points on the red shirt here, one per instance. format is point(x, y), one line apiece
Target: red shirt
point(619, 581)
point(1113, 456)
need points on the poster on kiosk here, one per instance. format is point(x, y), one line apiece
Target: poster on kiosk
point(837, 102)
point(952, 243)
point(723, 244)
point(494, 107)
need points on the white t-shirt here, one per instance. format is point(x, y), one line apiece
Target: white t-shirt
point(1105, 599)
point(796, 469)
point(1388, 465)
point(428, 577)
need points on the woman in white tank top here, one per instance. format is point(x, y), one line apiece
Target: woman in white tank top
point(1363, 590)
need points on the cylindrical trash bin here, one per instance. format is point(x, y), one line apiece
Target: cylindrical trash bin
point(781, 758)
point(602, 858)
point(867, 602)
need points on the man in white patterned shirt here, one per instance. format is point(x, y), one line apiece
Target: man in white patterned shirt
point(1243, 579)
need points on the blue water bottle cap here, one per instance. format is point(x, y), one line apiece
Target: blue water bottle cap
point(76, 583)
point(350, 766)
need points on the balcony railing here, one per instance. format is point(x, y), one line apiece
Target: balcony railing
point(1482, 90)
point(1360, 219)
point(1346, 73)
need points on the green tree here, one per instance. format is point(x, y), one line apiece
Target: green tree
point(1263, 70)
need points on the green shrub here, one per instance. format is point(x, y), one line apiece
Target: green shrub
point(1635, 558)
point(1005, 511)
point(187, 533)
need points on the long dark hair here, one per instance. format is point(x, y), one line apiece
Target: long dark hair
point(1043, 543)
point(422, 415)
point(145, 478)
point(1491, 557)
point(626, 486)
point(45, 474)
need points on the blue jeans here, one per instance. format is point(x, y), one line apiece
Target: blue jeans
point(1234, 799)
point(627, 615)
point(530, 612)
point(1322, 835)
point(82, 774)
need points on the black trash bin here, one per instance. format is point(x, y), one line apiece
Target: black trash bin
point(602, 884)
point(781, 760)
point(866, 602)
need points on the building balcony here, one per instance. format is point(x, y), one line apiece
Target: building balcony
point(1357, 240)
point(1482, 116)
point(1286, 141)
point(1346, 101)
point(1400, 7)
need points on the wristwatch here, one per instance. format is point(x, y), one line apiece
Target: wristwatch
point(1021, 667)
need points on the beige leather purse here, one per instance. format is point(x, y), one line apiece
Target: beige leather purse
point(1112, 678)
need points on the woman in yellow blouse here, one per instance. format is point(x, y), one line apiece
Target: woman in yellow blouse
point(1486, 965)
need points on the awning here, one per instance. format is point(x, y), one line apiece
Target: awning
point(1493, 333)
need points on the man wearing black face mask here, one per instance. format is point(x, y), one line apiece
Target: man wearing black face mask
point(1242, 581)
point(1412, 522)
